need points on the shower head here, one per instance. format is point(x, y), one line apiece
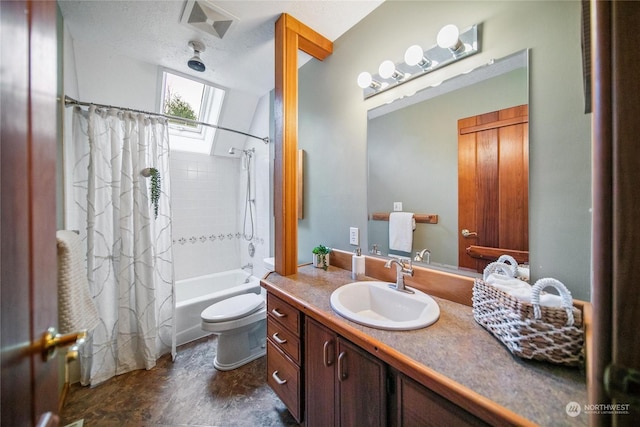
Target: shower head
point(196, 63)
point(232, 150)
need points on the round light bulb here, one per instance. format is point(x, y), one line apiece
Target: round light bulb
point(413, 55)
point(364, 80)
point(448, 36)
point(386, 69)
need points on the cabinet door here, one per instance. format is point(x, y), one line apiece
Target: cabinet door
point(320, 362)
point(361, 387)
point(420, 407)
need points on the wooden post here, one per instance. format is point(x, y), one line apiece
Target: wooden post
point(290, 36)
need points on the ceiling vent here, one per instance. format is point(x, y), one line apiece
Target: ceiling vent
point(207, 17)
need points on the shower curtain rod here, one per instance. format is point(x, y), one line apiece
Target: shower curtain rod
point(68, 102)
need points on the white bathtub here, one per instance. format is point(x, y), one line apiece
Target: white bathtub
point(195, 294)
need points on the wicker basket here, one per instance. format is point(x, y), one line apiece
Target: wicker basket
point(528, 330)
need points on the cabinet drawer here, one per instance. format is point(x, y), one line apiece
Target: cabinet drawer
point(284, 339)
point(284, 313)
point(283, 376)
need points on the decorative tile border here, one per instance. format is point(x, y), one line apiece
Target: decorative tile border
point(214, 238)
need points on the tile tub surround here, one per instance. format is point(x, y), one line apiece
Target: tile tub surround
point(207, 199)
point(455, 356)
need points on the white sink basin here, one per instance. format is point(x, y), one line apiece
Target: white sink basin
point(376, 305)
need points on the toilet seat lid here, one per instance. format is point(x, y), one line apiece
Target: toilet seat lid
point(232, 308)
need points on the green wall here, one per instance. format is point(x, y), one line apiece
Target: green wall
point(333, 122)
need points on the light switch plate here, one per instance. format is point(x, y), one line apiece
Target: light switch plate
point(397, 206)
point(354, 236)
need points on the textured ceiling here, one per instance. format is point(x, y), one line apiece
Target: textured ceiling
point(244, 59)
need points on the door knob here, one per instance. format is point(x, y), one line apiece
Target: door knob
point(467, 233)
point(51, 341)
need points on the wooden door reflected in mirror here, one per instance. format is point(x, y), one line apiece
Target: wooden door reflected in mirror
point(493, 187)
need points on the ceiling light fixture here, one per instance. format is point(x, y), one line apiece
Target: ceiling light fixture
point(195, 63)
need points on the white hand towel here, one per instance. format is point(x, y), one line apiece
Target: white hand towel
point(76, 309)
point(401, 226)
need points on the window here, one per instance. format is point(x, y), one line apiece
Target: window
point(192, 99)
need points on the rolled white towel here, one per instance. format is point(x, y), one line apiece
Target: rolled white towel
point(507, 284)
point(515, 287)
point(522, 272)
point(546, 299)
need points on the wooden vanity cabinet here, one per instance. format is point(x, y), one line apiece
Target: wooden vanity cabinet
point(284, 373)
point(345, 386)
point(337, 383)
point(416, 406)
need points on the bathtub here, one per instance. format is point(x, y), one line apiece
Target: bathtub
point(195, 294)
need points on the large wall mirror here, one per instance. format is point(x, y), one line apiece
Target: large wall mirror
point(412, 150)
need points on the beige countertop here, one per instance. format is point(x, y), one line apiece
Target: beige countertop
point(455, 347)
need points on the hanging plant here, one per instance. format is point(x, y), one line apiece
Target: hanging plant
point(155, 187)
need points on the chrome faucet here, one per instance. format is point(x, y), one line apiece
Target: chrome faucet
point(401, 271)
point(421, 255)
point(250, 267)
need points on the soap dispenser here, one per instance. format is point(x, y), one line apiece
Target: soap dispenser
point(357, 265)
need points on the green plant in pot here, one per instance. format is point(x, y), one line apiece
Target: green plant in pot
point(321, 256)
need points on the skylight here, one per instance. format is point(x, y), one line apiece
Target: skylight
point(192, 99)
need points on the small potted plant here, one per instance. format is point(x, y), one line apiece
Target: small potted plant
point(321, 256)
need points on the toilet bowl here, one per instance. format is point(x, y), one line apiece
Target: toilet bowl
point(241, 325)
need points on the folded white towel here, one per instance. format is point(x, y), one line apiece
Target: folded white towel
point(521, 290)
point(497, 274)
point(401, 226)
point(76, 309)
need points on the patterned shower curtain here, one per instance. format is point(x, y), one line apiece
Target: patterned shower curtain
point(129, 256)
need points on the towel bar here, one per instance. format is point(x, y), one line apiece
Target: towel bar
point(420, 218)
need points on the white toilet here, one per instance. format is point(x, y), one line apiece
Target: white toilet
point(241, 325)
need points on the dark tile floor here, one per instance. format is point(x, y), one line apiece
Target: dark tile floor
point(187, 392)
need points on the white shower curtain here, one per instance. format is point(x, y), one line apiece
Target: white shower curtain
point(129, 257)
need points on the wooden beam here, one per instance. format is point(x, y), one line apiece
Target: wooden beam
point(290, 35)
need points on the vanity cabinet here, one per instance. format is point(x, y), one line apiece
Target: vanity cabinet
point(417, 406)
point(284, 329)
point(345, 386)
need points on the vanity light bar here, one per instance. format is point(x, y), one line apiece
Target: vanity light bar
point(452, 47)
